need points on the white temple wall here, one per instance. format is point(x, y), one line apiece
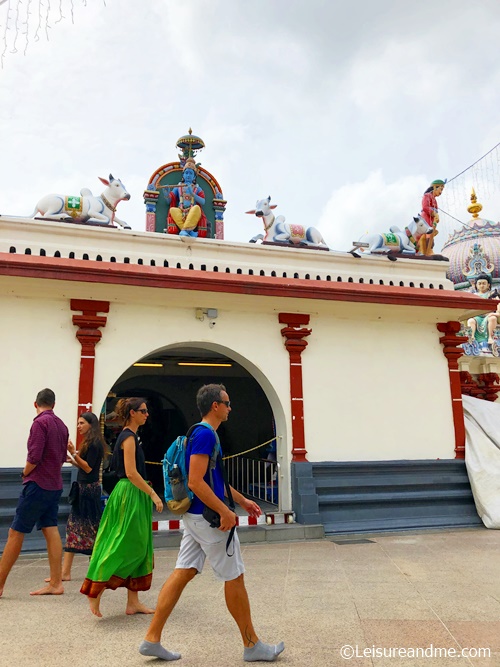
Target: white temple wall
point(376, 386)
point(39, 349)
point(376, 390)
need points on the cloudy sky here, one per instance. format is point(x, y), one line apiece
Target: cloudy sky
point(343, 112)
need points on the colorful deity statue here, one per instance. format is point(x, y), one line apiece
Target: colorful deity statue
point(431, 215)
point(483, 326)
point(185, 202)
point(192, 203)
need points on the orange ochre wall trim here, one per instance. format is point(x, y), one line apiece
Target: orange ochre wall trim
point(74, 270)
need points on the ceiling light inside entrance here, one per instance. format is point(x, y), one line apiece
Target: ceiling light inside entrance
point(194, 363)
point(144, 365)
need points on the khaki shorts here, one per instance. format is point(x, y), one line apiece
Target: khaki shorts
point(200, 541)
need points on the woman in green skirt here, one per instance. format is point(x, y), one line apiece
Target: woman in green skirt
point(123, 549)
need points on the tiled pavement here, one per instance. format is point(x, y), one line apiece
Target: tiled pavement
point(396, 591)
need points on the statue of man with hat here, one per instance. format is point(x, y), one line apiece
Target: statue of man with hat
point(430, 214)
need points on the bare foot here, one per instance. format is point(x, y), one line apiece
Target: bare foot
point(1, 591)
point(65, 577)
point(94, 606)
point(138, 609)
point(49, 590)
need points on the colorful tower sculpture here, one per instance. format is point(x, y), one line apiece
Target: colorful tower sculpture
point(169, 179)
point(474, 249)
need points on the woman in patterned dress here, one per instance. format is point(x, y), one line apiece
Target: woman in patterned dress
point(85, 515)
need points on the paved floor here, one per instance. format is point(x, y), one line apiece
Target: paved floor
point(400, 591)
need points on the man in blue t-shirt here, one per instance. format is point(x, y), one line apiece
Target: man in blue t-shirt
point(200, 541)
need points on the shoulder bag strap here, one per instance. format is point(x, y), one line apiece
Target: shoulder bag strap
point(230, 498)
point(231, 504)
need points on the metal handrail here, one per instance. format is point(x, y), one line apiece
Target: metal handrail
point(256, 478)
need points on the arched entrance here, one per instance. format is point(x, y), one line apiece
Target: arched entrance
point(168, 378)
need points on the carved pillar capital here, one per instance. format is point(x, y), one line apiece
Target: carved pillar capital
point(294, 333)
point(450, 341)
point(88, 331)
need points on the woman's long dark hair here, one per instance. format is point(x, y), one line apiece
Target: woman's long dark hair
point(93, 435)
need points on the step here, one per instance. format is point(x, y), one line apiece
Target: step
point(369, 482)
point(401, 513)
point(254, 534)
point(394, 496)
point(35, 542)
point(373, 482)
point(393, 524)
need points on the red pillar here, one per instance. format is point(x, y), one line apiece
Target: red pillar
point(88, 334)
point(294, 334)
point(450, 341)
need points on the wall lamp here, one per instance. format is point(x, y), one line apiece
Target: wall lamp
point(211, 313)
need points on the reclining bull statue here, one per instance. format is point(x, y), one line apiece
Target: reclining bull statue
point(407, 241)
point(86, 208)
point(277, 231)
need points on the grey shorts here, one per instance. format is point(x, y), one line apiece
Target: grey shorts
point(200, 541)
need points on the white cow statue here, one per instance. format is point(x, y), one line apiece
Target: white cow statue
point(397, 240)
point(276, 231)
point(86, 208)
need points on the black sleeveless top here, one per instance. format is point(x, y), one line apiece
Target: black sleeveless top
point(117, 463)
point(93, 457)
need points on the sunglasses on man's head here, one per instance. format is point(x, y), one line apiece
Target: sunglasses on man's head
point(226, 403)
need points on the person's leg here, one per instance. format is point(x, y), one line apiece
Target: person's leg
point(168, 598)
point(238, 606)
point(54, 550)
point(66, 566)
point(10, 555)
point(190, 561)
point(29, 508)
point(169, 595)
point(134, 606)
point(95, 604)
point(230, 569)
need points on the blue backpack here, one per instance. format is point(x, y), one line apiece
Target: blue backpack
point(178, 495)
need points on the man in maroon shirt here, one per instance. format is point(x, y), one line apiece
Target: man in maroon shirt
point(42, 488)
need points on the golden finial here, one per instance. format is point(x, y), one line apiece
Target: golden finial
point(190, 131)
point(474, 208)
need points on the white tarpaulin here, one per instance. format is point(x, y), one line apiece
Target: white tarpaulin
point(482, 457)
